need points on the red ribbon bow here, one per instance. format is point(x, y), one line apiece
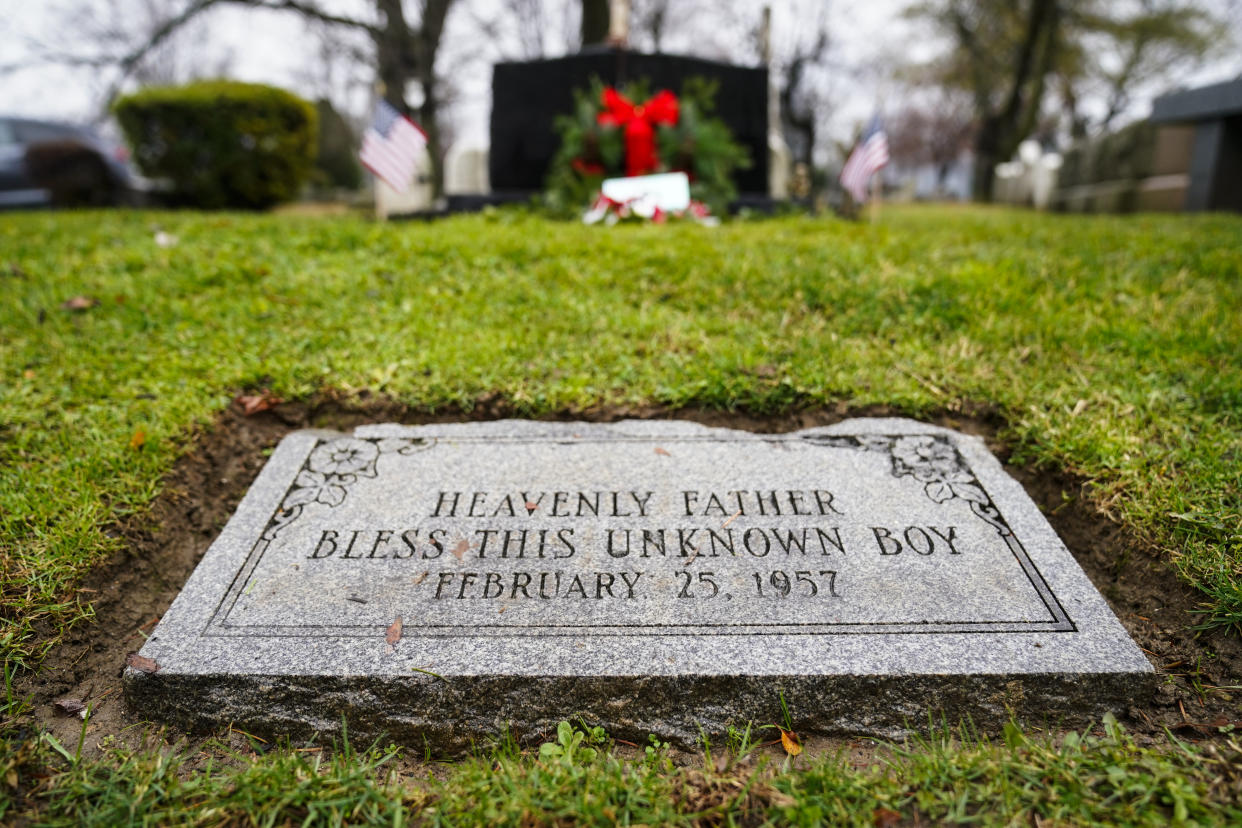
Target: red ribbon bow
point(639, 123)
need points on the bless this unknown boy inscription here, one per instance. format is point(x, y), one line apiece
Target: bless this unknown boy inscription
point(435, 584)
point(608, 533)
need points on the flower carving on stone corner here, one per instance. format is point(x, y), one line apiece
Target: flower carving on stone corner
point(935, 462)
point(336, 464)
point(345, 456)
point(315, 487)
point(330, 468)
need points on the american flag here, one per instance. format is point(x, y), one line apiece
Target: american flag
point(869, 155)
point(391, 147)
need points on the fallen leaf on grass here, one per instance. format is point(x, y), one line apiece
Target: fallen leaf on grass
point(78, 303)
point(884, 818)
point(662, 452)
point(141, 663)
point(254, 403)
point(789, 741)
point(139, 439)
point(1215, 726)
point(69, 706)
point(393, 634)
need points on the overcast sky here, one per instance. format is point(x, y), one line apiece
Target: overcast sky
point(278, 48)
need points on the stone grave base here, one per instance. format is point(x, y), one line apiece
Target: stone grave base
point(436, 584)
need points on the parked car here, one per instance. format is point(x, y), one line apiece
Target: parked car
point(43, 163)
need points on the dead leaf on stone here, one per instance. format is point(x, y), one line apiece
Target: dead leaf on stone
point(69, 706)
point(79, 303)
point(141, 663)
point(138, 439)
point(254, 403)
point(460, 550)
point(531, 506)
point(884, 818)
point(662, 452)
point(421, 578)
point(393, 634)
point(789, 741)
point(1216, 726)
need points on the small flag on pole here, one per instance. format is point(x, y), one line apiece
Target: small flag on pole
point(391, 146)
point(869, 155)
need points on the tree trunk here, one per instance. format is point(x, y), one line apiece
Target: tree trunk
point(984, 175)
point(596, 17)
point(393, 54)
point(404, 54)
point(1001, 131)
point(427, 45)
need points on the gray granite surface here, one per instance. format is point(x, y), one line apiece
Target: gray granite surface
point(434, 583)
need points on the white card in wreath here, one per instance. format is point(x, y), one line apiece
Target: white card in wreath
point(669, 192)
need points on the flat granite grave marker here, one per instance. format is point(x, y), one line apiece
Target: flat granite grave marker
point(435, 583)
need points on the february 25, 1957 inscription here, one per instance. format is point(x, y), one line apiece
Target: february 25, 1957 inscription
point(665, 533)
point(559, 551)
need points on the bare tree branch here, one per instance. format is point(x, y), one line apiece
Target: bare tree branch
point(312, 11)
point(126, 64)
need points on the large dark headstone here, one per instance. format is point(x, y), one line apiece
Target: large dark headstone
point(527, 97)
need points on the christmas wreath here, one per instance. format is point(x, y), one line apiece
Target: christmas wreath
point(626, 132)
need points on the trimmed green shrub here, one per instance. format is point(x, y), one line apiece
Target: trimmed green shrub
point(222, 143)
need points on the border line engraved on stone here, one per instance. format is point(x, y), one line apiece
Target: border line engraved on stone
point(329, 469)
point(935, 461)
point(333, 465)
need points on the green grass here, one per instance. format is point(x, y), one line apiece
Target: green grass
point(1111, 348)
point(948, 777)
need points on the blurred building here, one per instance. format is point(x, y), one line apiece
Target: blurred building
point(1202, 136)
point(1187, 156)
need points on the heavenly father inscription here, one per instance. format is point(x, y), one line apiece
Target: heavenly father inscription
point(440, 581)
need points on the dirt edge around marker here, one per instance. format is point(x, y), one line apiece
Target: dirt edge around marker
point(162, 546)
